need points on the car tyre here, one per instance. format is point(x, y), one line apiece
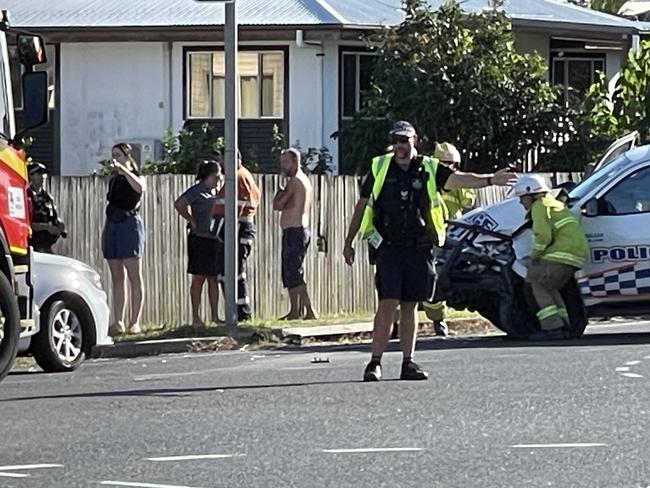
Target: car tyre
point(60, 344)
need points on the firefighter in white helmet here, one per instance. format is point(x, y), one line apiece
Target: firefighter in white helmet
point(458, 201)
point(559, 250)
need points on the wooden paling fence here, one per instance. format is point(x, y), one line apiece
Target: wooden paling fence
point(335, 288)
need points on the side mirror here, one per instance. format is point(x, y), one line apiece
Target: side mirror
point(31, 50)
point(35, 106)
point(591, 208)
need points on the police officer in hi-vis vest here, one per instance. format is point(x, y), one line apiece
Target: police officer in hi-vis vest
point(402, 216)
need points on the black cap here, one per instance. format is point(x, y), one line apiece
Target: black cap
point(33, 168)
point(402, 128)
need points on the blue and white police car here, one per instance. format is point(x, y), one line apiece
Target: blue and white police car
point(484, 265)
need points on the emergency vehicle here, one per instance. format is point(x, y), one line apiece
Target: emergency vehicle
point(18, 314)
point(483, 267)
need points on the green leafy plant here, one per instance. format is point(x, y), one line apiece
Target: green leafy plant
point(609, 6)
point(608, 111)
point(457, 78)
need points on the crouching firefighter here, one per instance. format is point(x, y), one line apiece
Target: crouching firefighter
point(560, 249)
point(458, 201)
point(402, 216)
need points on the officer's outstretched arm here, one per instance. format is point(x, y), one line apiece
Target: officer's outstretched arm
point(459, 179)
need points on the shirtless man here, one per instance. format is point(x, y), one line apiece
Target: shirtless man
point(294, 202)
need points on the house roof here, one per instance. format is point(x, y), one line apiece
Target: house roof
point(348, 13)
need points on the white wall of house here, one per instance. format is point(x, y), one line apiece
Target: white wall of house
point(614, 62)
point(332, 101)
point(109, 92)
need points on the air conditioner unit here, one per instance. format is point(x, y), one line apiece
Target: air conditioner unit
point(146, 149)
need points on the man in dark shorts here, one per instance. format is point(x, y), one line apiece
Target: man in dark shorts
point(402, 216)
point(294, 202)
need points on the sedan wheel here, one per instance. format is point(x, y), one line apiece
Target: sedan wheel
point(60, 344)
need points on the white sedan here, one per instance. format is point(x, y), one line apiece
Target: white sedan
point(73, 313)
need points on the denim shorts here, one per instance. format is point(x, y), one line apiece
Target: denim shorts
point(124, 238)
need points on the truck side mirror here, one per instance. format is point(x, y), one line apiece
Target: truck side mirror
point(31, 50)
point(35, 106)
point(591, 208)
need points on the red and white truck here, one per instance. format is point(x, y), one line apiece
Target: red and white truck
point(17, 311)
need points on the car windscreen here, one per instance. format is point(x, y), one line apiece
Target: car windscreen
point(596, 179)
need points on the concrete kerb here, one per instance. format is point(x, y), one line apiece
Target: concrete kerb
point(240, 337)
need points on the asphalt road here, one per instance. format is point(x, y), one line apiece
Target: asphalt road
point(494, 414)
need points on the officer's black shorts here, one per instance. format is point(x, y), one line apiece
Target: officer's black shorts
point(407, 274)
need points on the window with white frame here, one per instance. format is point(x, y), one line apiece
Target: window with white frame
point(356, 75)
point(261, 84)
point(576, 74)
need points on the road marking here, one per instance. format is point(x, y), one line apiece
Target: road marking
point(632, 375)
point(132, 484)
point(632, 363)
point(376, 449)
point(567, 445)
point(23, 467)
point(192, 457)
point(622, 368)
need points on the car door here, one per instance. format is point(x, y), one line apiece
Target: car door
point(617, 225)
point(620, 146)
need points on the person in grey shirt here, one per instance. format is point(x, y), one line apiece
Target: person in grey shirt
point(196, 205)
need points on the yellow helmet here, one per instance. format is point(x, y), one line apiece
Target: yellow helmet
point(447, 152)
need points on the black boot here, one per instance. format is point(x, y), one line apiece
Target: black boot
point(372, 372)
point(412, 372)
point(550, 335)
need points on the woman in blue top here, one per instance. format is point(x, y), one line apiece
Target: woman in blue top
point(196, 205)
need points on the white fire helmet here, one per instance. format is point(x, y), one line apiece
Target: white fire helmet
point(530, 185)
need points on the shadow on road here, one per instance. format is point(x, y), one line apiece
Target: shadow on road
point(490, 341)
point(174, 392)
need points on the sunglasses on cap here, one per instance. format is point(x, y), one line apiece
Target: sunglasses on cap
point(399, 139)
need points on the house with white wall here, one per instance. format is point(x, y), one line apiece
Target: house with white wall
point(126, 70)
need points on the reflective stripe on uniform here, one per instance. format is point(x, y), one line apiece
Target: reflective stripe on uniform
point(562, 312)
point(547, 312)
point(243, 301)
point(561, 223)
point(565, 257)
point(246, 241)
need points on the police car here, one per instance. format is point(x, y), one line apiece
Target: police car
point(484, 265)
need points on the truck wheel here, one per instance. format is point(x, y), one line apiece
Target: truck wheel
point(59, 345)
point(9, 326)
